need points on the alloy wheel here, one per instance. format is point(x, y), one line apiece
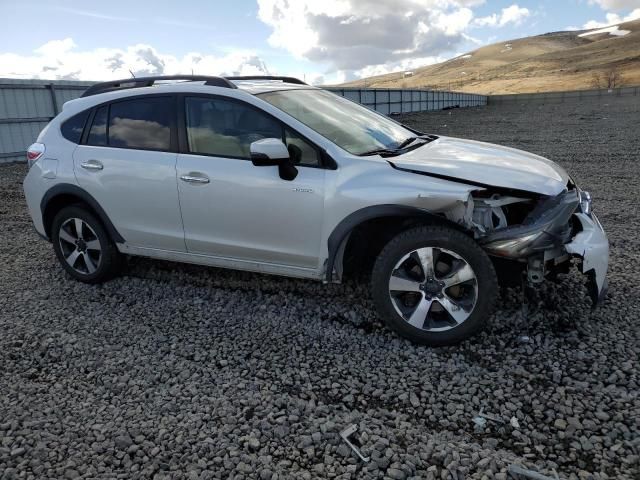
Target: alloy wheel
point(433, 289)
point(80, 246)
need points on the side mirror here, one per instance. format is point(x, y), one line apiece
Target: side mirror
point(268, 152)
point(271, 152)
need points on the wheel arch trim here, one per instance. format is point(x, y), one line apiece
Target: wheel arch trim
point(74, 190)
point(338, 238)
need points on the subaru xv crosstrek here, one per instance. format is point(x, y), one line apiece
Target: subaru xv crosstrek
point(271, 175)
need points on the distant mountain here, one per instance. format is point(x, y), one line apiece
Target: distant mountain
point(573, 60)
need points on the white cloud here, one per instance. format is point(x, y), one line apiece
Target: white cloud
point(453, 23)
point(352, 35)
point(61, 59)
point(617, 4)
point(612, 19)
point(403, 66)
point(512, 14)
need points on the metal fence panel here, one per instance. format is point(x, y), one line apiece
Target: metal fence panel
point(353, 96)
point(383, 108)
point(558, 97)
point(26, 106)
point(382, 96)
point(23, 103)
point(390, 101)
point(366, 98)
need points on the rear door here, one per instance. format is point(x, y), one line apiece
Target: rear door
point(127, 162)
point(233, 209)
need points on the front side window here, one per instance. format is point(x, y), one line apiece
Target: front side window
point(300, 151)
point(350, 126)
point(226, 128)
point(142, 123)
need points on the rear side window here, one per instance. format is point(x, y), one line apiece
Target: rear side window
point(226, 128)
point(142, 123)
point(72, 128)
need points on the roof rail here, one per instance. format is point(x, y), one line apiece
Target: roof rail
point(149, 81)
point(268, 77)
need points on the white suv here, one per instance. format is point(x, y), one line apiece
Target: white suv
point(271, 175)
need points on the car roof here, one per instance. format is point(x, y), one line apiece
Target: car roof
point(250, 86)
point(255, 87)
point(251, 83)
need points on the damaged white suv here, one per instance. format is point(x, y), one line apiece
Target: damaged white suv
point(271, 175)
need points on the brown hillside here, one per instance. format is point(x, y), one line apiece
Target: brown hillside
point(550, 62)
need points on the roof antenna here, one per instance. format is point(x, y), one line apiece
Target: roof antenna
point(132, 73)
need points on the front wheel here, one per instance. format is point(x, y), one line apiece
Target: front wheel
point(434, 285)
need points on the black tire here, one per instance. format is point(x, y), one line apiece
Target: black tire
point(483, 288)
point(105, 263)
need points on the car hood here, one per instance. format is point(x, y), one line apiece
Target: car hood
point(485, 163)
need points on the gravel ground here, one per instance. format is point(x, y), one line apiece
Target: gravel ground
point(175, 371)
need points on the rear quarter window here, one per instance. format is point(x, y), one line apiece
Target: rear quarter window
point(72, 128)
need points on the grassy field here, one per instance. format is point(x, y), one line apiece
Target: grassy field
point(559, 61)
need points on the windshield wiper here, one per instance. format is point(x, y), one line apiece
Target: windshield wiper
point(383, 152)
point(406, 142)
point(401, 148)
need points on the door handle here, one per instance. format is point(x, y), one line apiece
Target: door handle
point(194, 178)
point(92, 165)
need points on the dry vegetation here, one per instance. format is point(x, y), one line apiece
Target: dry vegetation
point(551, 62)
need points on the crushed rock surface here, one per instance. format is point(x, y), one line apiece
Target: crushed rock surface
point(177, 371)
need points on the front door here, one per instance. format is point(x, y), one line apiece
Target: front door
point(235, 210)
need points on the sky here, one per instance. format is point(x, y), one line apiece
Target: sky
point(322, 42)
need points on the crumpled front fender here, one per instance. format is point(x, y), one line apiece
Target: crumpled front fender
point(592, 245)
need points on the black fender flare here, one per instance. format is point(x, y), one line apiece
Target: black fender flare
point(337, 240)
point(70, 189)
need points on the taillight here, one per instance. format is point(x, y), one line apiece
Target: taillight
point(34, 153)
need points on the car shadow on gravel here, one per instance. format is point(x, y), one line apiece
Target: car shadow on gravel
point(552, 311)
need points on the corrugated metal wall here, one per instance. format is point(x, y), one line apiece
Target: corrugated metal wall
point(26, 106)
point(571, 96)
point(390, 101)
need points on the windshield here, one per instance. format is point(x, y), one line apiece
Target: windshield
point(351, 126)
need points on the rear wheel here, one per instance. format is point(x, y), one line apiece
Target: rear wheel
point(434, 285)
point(83, 247)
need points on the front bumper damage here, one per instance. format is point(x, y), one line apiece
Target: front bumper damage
point(592, 246)
point(557, 229)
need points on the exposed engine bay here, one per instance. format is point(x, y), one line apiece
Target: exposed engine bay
point(542, 232)
point(494, 212)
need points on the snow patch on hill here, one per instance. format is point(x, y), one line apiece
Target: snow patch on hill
point(613, 30)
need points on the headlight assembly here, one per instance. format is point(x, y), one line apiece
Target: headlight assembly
point(585, 202)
